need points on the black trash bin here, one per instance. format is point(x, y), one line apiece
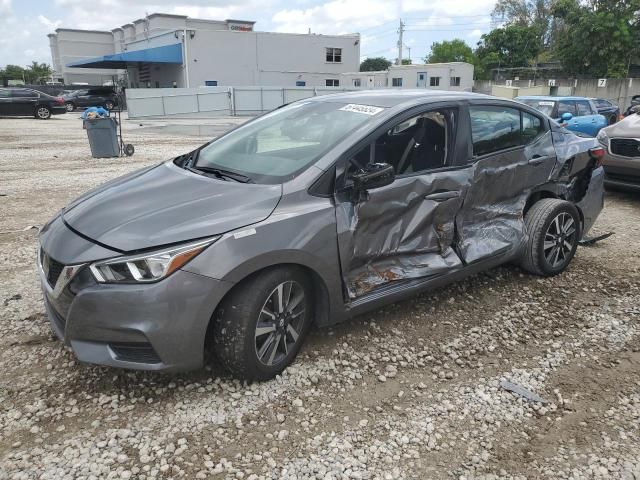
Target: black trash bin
point(103, 137)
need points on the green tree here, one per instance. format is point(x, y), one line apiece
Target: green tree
point(37, 72)
point(527, 13)
point(406, 61)
point(597, 38)
point(13, 72)
point(455, 50)
point(508, 47)
point(374, 64)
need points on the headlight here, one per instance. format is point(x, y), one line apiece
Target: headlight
point(603, 138)
point(147, 267)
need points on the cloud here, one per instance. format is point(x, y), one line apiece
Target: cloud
point(337, 16)
point(5, 7)
point(51, 25)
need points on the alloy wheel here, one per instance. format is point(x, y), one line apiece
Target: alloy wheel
point(280, 323)
point(69, 107)
point(43, 113)
point(559, 240)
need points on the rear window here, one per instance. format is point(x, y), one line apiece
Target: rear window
point(544, 106)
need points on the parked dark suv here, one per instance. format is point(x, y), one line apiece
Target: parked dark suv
point(92, 97)
point(25, 102)
point(313, 213)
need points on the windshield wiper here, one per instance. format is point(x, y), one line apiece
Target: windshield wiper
point(220, 173)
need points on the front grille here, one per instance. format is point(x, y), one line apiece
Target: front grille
point(135, 352)
point(52, 268)
point(625, 147)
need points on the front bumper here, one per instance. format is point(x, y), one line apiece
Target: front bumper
point(622, 172)
point(155, 326)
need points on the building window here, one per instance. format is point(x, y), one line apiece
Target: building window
point(300, 83)
point(332, 82)
point(434, 82)
point(396, 82)
point(357, 82)
point(454, 81)
point(334, 55)
point(421, 76)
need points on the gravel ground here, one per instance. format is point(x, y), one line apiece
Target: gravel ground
point(409, 391)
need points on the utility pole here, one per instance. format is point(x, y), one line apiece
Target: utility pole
point(400, 32)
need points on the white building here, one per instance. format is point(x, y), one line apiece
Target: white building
point(164, 50)
point(437, 76)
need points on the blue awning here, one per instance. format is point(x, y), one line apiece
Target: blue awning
point(165, 54)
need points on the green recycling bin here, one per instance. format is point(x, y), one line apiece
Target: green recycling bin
point(103, 137)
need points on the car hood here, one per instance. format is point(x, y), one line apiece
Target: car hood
point(627, 127)
point(166, 204)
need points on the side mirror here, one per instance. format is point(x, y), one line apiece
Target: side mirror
point(375, 175)
point(566, 116)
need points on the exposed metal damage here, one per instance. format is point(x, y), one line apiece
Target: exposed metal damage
point(427, 225)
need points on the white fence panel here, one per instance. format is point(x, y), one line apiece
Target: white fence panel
point(217, 103)
point(214, 101)
point(179, 104)
point(272, 98)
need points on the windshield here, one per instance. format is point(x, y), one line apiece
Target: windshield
point(544, 106)
point(279, 145)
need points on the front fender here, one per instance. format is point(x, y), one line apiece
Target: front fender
point(301, 233)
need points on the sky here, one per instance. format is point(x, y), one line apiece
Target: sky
point(25, 23)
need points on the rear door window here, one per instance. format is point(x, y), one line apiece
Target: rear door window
point(496, 128)
point(583, 108)
point(20, 93)
point(566, 106)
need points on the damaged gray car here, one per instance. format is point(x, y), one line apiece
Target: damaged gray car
point(311, 214)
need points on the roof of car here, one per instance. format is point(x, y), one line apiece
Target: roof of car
point(550, 97)
point(391, 98)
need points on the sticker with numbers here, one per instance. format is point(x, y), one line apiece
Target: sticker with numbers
point(602, 82)
point(366, 109)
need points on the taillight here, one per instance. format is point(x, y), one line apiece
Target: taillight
point(59, 101)
point(597, 153)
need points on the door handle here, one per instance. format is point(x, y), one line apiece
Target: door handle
point(537, 159)
point(441, 196)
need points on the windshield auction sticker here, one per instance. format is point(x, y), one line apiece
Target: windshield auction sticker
point(366, 109)
point(546, 104)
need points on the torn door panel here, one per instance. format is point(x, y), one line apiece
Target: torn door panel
point(402, 267)
point(593, 201)
point(491, 221)
point(401, 231)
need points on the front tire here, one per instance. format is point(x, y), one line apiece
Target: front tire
point(109, 105)
point(43, 113)
point(260, 327)
point(554, 229)
point(70, 107)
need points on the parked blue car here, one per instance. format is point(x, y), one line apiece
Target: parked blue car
point(578, 114)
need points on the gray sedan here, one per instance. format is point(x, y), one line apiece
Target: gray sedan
point(311, 214)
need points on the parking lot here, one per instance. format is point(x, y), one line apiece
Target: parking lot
point(409, 391)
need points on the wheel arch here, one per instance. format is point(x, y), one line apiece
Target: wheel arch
point(538, 195)
point(321, 295)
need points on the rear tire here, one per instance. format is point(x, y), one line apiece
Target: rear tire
point(43, 113)
point(259, 328)
point(554, 229)
point(70, 107)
